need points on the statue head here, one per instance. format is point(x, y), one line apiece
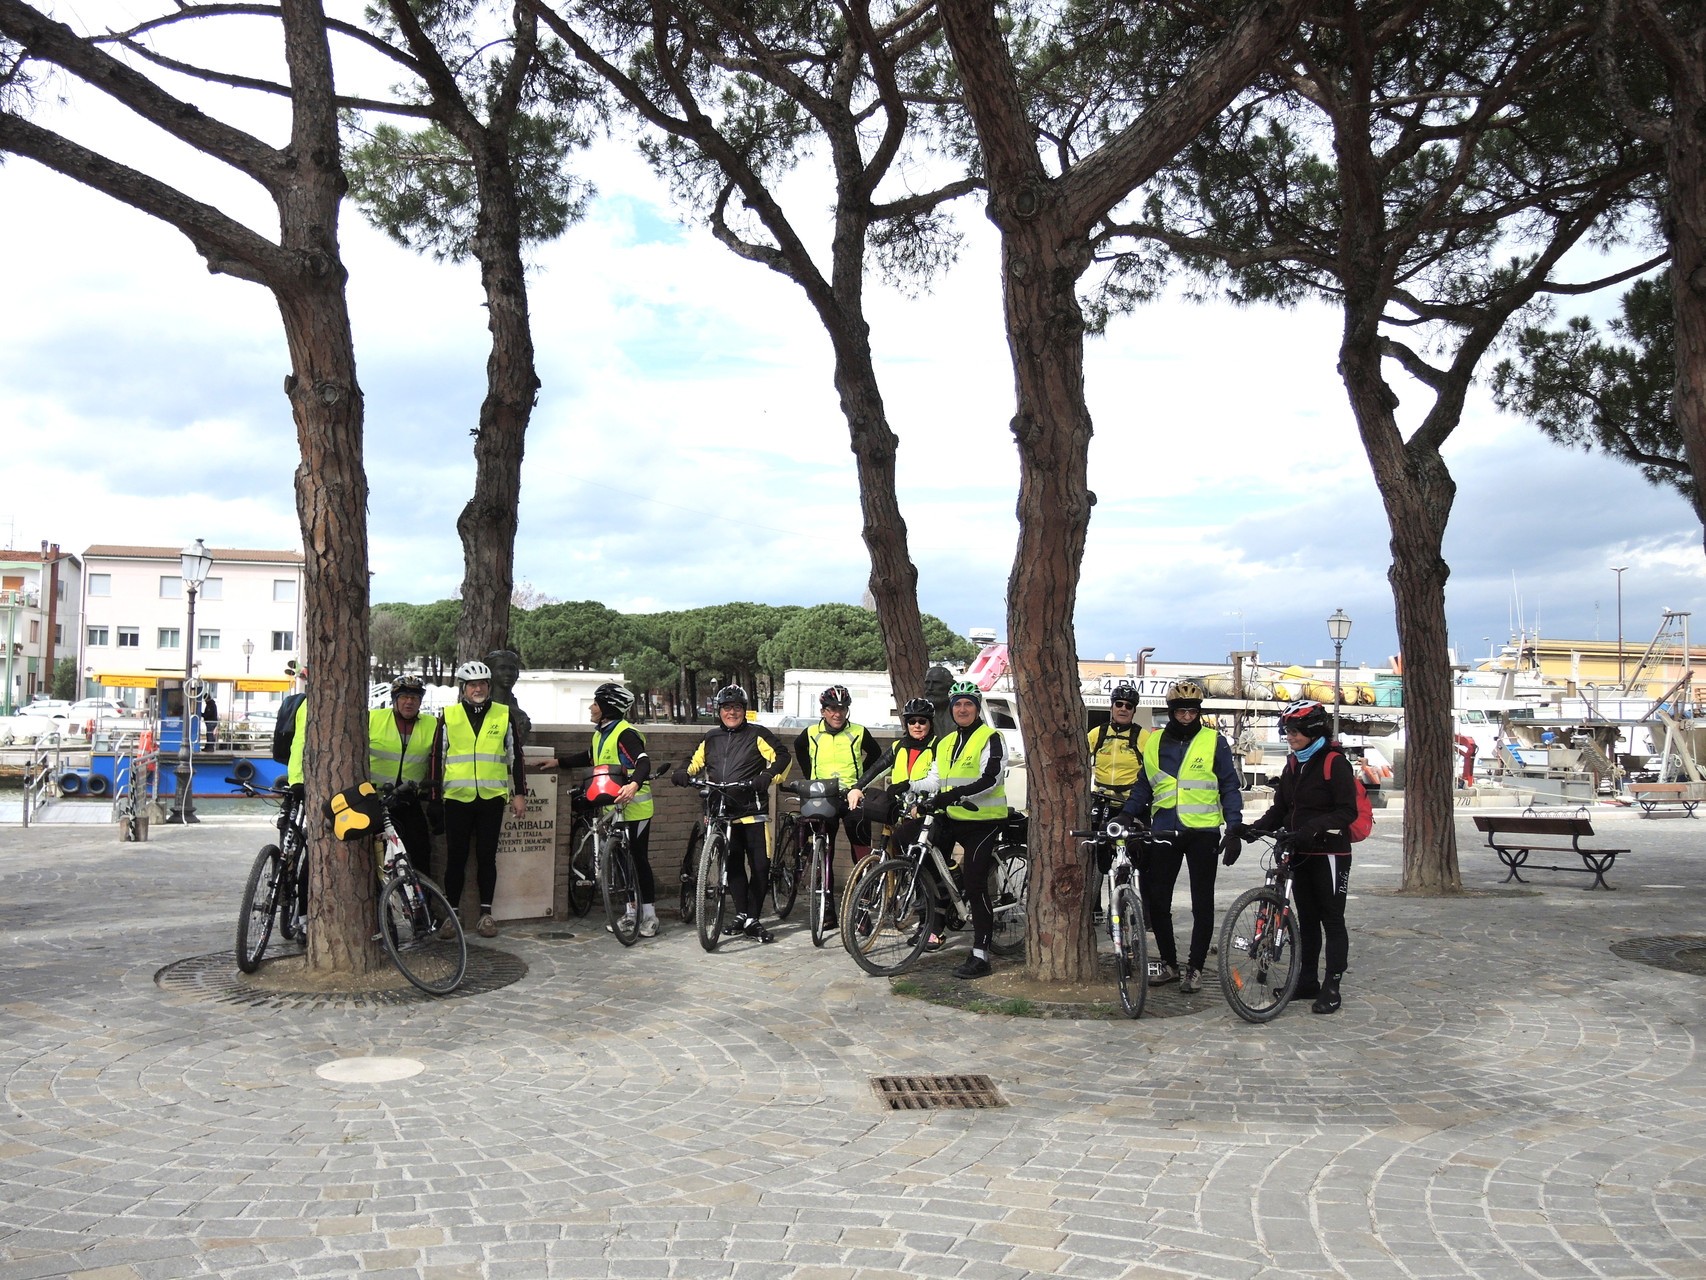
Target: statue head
point(937, 681)
point(506, 667)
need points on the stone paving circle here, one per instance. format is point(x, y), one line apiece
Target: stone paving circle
point(1501, 1097)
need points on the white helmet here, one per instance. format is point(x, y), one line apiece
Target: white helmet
point(473, 671)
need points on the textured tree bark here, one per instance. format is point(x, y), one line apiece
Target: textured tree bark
point(1685, 227)
point(331, 499)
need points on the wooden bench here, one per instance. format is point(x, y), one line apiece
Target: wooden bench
point(1650, 795)
point(1513, 839)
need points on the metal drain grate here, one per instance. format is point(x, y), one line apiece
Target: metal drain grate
point(937, 1093)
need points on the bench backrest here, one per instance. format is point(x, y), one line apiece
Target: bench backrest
point(1535, 826)
point(1662, 788)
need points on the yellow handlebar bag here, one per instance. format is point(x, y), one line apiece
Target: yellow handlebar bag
point(356, 812)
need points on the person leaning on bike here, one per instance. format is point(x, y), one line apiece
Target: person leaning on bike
point(617, 743)
point(1315, 799)
point(479, 771)
point(1189, 785)
point(971, 765)
point(835, 747)
point(910, 764)
point(1116, 755)
point(399, 749)
point(737, 750)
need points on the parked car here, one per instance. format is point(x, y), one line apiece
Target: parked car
point(52, 708)
point(90, 708)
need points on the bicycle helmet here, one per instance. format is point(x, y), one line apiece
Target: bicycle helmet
point(408, 684)
point(1184, 693)
point(614, 700)
point(835, 696)
point(916, 707)
point(1124, 692)
point(730, 695)
point(1307, 717)
point(964, 689)
point(472, 671)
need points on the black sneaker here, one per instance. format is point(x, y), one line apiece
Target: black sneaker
point(755, 930)
point(974, 967)
point(736, 927)
point(1163, 974)
point(1328, 1000)
point(1307, 989)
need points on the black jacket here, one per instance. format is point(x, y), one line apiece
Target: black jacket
point(1316, 806)
point(746, 753)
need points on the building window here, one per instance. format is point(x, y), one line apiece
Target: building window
point(207, 639)
point(171, 587)
point(35, 630)
point(168, 638)
point(284, 590)
point(213, 589)
point(58, 633)
point(97, 637)
point(283, 641)
point(100, 584)
point(60, 589)
point(130, 637)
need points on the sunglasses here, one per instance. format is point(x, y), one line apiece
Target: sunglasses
point(918, 720)
point(1127, 706)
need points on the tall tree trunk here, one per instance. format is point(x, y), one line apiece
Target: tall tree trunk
point(488, 523)
point(1418, 492)
point(331, 501)
point(1045, 332)
point(1685, 227)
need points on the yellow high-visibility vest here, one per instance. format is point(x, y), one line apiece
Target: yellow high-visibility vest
point(957, 769)
point(1195, 792)
point(389, 758)
point(837, 755)
point(476, 767)
point(604, 751)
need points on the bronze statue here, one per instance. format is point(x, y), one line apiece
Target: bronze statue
point(937, 681)
point(506, 669)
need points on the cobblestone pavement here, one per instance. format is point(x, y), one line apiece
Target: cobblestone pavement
point(1501, 1096)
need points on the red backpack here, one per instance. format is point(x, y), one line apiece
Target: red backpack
point(1365, 811)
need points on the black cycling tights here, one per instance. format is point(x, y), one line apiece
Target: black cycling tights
point(747, 849)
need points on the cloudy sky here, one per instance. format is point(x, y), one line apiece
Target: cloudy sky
point(688, 448)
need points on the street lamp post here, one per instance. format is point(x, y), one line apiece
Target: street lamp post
point(1619, 571)
point(1339, 628)
point(248, 654)
point(196, 563)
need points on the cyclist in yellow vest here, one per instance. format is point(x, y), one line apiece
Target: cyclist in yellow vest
point(908, 764)
point(1116, 748)
point(835, 747)
point(616, 742)
point(480, 772)
point(971, 765)
point(1190, 786)
point(399, 749)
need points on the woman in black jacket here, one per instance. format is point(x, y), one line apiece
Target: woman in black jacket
point(1315, 799)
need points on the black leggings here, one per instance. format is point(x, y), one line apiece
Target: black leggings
point(1198, 849)
point(411, 827)
point(479, 822)
point(747, 849)
point(979, 840)
point(640, 846)
point(1319, 883)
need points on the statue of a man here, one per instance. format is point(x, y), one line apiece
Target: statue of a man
point(506, 668)
point(937, 681)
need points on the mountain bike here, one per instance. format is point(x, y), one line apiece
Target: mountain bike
point(1259, 966)
point(787, 862)
point(583, 863)
point(820, 810)
point(1125, 919)
point(417, 923)
point(902, 903)
point(711, 876)
point(277, 887)
point(614, 871)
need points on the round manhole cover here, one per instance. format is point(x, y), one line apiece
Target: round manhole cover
point(369, 1070)
point(1680, 953)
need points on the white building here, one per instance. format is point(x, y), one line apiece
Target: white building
point(40, 598)
point(248, 619)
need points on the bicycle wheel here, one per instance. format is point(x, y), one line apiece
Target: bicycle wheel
point(254, 919)
point(1131, 957)
point(891, 918)
point(293, 896)
point(785, 870)
point(583, 877)
point(411, 909)
point(690, 874)
point(1009, 884)
point(1258, 955)
point(713, 892)
point(621, 889)
point(819, 879)
point(850, 890)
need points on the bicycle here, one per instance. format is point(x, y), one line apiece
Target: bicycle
point(583, 866)
point(820, 809)
point(1259, 967)
point(787, 862)
point(417, 923)
point(1125, 914)
point(612, 858)
point(902, 903)
point(711, 875)
point(277, 884)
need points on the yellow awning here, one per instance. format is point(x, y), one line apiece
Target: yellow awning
point(263, 684)
point(126, 680)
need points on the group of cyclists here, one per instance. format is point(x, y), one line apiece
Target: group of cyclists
point(1179, 778)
